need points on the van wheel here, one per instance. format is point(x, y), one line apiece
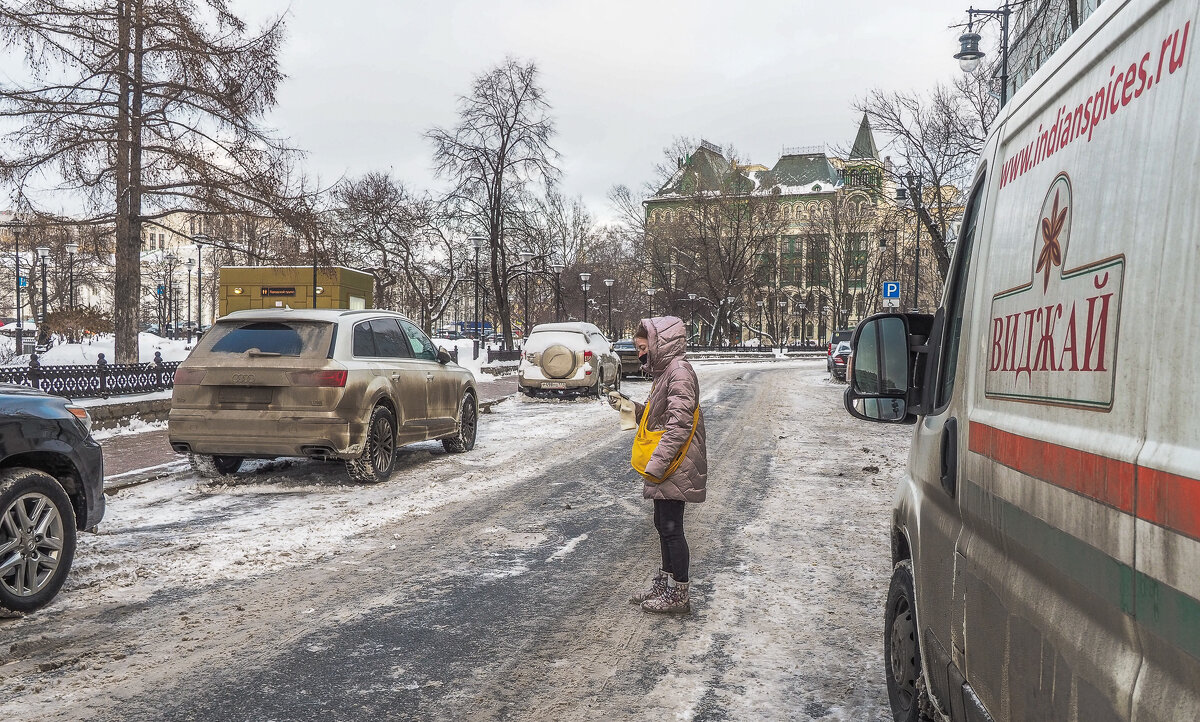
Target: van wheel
point(37, 538)
point(211, 467)
point(902, 649)
point(379, 451)
point(468, 427)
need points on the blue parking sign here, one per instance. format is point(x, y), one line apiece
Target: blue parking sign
point(891, 289)
point(161, 289)
point(22, 282)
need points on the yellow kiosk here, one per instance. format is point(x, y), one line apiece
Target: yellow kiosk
point(243, 287)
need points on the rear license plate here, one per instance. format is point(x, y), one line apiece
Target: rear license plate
point(554, 385)
point(245, 394)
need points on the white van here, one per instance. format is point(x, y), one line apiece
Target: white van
point(1046, 538)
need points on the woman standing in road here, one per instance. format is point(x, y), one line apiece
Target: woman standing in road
point(678, 467)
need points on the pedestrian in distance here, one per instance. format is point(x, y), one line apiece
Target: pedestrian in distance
point(669, 453)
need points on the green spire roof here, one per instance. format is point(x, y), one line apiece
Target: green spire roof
point(864, 142)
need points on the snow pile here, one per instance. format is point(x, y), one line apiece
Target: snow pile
point(136, 425)
point(466, 348)
point(87, 352)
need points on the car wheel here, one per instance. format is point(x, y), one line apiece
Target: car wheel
point(379, 450)
point(902, 648)
point(211, 467)
point(468, 427)
point(37, 538)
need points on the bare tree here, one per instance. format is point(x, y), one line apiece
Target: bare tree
point(404, 240)
point(938, 137)
point(141, 107)
point(500, 146)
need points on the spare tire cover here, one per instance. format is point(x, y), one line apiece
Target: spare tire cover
point(558, 361)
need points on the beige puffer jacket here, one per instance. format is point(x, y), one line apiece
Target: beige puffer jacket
point(672, 401)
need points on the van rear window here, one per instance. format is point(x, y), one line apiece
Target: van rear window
point(269, 338)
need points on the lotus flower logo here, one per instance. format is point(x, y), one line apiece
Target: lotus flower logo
point(1051, 255)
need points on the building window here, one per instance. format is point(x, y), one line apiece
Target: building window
point(818, 260)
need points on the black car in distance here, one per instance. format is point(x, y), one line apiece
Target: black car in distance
point(51, 486)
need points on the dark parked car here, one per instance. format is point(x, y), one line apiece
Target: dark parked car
point(51, 485)
point(630, 366)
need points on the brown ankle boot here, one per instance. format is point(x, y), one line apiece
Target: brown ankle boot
point(658, 585)
point(673, 601)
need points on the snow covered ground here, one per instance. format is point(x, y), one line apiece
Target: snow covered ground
point(520, 551)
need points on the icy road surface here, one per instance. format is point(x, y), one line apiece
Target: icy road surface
point(490, 585)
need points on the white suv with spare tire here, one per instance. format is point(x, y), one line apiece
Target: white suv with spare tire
point(559, 359)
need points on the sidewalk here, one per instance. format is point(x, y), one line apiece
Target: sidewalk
point(133, 458)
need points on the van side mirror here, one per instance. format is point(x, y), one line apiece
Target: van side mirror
point(443, 356)
point(887, 353)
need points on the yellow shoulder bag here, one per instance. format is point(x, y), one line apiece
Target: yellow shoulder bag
point(646, 442)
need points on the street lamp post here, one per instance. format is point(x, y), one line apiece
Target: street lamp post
point(803, 323)
point(609, 283)
point(72, 249)
point(526, 257)
point(583, 278)
point(650, 292)
point(760, 321)
point(558, 269)
point(825, 311)
point(691, 315)
point(783, 324)
point(17, 259)
point(174, 307)
point(478, 242)
point(43, 253)
point(168, 282)
point(729, 317)
point(190, 262)
point(969, 54)
point(199, 239)
point(913, 181)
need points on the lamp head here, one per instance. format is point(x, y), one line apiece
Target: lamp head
point(969, 55)
point(43, 252)
point(72, 248)
point(585, 277)
point(557, 267)
point(609, 282)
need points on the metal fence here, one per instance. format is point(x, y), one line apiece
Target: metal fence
point(101, 379)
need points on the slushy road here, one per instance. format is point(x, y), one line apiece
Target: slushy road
point(491, 585)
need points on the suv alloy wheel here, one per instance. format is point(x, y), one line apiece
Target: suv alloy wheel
point(468, 427)
point(37, 538)
point(379, 451)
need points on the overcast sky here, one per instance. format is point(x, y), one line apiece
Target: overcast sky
point(367, 77)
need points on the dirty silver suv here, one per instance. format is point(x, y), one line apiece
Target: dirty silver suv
point(323, 384)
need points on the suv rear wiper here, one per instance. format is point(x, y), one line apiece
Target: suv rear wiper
point(256, 352)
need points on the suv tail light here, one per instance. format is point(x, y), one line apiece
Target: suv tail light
point(185, 377)
point(324, 377)
point(587, 355)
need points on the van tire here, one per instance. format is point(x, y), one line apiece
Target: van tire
point(30, 488)
point(378, 458)
point(468, 427)
point(901, 648)
point(212, 467)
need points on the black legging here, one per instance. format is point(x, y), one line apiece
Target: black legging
point(668, 519)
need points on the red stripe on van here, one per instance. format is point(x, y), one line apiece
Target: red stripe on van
point(1105, 480)
point(1169, 500)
